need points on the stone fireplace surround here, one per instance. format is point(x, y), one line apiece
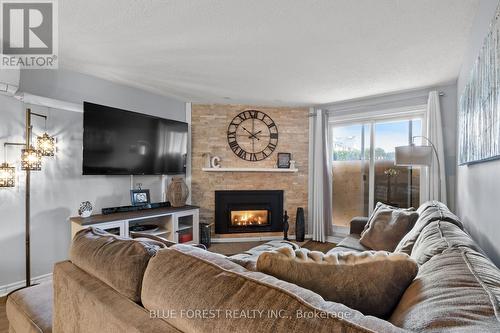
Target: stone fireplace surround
point(209, 123)
point(264, 200)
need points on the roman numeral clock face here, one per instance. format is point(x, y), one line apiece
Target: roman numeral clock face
point(252, 135)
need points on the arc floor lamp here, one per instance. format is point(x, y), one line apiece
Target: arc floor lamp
point(31, 160)
point(413, 155)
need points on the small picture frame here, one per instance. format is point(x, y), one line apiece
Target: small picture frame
point(140, 197)
point(284, 160)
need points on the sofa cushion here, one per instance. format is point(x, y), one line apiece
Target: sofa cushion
point(341, 249)
point(85, 304)
point(387, 226)
point(371, 282)
point(224, 293)
point(29, 310)
point(119, 262)
point(437, 237)
point(427, 213)
point(457, 290)
point(349, 243)
point(248, 259)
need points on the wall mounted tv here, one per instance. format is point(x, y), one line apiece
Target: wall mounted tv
point(120, 142)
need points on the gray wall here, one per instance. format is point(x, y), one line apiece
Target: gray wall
point(478, 186)
point(416, 97)
point(75, 87)
point(59, 188)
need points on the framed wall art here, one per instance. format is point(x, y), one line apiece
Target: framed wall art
point(479, 107)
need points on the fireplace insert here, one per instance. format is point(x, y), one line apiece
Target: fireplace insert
point(243, 218)
point(248, 211)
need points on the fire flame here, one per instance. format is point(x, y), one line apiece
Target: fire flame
point(246, 218)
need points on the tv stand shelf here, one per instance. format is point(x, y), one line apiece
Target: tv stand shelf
point(184, 227)
point(176, 224)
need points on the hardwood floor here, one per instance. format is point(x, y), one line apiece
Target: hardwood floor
point(4, 324)
point(229, 249)
point(317, 246)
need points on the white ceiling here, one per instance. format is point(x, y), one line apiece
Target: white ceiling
point(267, 51)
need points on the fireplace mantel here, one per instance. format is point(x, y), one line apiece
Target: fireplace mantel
point(248, 170)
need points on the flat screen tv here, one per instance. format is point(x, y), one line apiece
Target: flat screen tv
point(120, 142)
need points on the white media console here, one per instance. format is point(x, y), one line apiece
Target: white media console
point(176, 224)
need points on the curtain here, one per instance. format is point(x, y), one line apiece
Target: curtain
point(436, 172)
point(321, 205)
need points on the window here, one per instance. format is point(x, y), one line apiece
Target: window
point(363, 166)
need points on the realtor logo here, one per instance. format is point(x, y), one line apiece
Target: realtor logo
point(29, 34)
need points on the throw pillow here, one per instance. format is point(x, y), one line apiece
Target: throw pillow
point(387, 226)
point(370, 282)
point(427, 213)
point(374, 212)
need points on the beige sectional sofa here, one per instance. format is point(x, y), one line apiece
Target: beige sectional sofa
point(457, 288)
point(187, 289)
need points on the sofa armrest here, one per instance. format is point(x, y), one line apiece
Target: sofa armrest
point(357, 225)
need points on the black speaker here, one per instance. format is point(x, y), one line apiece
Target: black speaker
point(124, 209)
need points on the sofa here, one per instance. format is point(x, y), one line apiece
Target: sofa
point(115, 285)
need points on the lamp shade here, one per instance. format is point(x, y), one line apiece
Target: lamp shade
point(7, 175)
point(31, 159)
point(46, 145)
point(413, 155)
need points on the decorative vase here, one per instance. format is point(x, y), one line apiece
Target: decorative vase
point(300, 227)
point(85, 209)
point(286, 226)
point(177, 192)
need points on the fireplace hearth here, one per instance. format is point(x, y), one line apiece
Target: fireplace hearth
point(248, 211)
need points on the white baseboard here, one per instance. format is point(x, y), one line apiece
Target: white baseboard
point(5, 289)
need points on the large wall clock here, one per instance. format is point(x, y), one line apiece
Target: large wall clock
point(252, 135)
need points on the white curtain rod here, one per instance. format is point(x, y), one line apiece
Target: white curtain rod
point(330, 108)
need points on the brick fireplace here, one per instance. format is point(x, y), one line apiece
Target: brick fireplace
point(248, 211)
point(209, 135)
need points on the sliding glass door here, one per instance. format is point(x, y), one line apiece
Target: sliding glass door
point(351, 169)
point(363, 167)
point(395, 186)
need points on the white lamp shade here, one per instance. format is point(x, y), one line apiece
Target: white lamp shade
point(413, 155)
